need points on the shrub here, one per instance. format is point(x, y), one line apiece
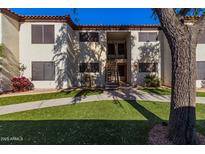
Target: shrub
point(21, 84)
point(151, 81)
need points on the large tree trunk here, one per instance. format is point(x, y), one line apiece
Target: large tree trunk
point(182, 41)
point(182, 115)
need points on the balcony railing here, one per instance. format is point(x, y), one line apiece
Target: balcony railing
point(117, 56)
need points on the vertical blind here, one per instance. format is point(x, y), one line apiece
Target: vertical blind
point(200, 70)
point(148, 36)
point(89, 37)
point(43, 71)
point(89, 67)
point(148, 67)
point(42, 34)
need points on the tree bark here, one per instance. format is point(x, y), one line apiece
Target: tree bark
point(182, 112)
point(182, 40)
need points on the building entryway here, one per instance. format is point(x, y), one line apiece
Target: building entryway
point(116, 66)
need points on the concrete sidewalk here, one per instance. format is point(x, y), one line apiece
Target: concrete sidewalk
point(108, 95)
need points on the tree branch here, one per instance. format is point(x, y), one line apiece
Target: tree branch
point(183, 11)
point(169, 20)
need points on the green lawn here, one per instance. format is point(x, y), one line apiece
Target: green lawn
point(105, 122)
point(37, 97)
point(167, 91)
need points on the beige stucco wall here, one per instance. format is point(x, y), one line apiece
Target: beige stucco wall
point(200, 56)
point(10, 42)
point(44, 52)
point(143, 52)
point(93, 52)
point(67, 53)
point(166, 61)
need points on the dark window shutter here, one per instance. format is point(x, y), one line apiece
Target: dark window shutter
point(37, 34)
point(200, 70)
point(37, 71)
point(49, 34)
point(49, 71)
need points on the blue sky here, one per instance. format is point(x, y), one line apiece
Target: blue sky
point(99, 16)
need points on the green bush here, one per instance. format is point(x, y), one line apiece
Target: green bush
point(152, 81)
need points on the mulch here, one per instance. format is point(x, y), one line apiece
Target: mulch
point(158, 135)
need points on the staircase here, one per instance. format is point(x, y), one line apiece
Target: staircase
point(112, 77)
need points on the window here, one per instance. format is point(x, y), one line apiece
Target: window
point(83, 67)
point(148, 67)
point(111, 49)
point(42, 34)
point(121, 49)
point(43, 71)
point(94, 67)
point(89, 67)
point(200, 70)
point(148, 36)
point(89, 37)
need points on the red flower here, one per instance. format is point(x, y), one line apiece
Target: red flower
point(21, 84)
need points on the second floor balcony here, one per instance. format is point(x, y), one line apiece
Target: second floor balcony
point(117, 50)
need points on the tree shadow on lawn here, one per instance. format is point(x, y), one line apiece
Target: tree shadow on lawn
point(75, 132)
point(80, 131)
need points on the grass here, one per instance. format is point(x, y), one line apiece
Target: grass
point(167, 91)
point(105, 122)
point(46, 96)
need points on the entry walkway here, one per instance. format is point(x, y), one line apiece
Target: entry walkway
point(125, 94)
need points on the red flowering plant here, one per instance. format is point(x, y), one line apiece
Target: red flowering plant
point(21, 84)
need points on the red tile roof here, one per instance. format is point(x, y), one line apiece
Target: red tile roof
point(117, 27)
point(23, 18)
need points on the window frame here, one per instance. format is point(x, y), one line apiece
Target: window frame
point(147, 37)
point(89, 68)
point(88, 39)
point(200, 75)
point(93, 69)
point(44, 74)
point(154, 70)
point(43, 39)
